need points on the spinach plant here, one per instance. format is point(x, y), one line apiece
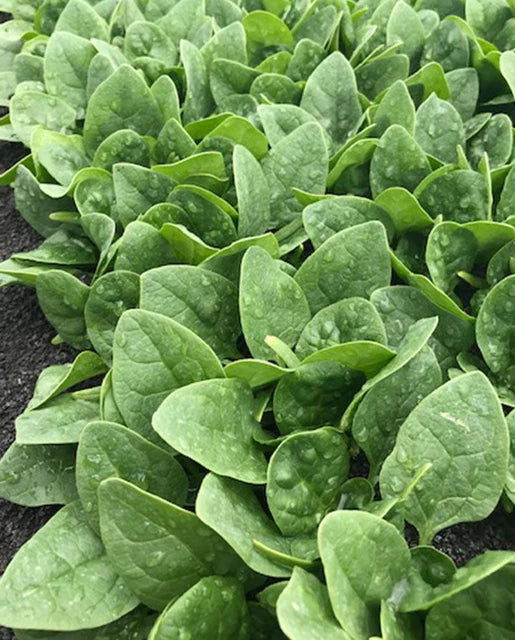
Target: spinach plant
point(280, 235)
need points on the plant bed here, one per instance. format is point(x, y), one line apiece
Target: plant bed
point(275, 385)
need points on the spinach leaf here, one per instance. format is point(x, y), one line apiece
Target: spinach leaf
point(252, 193)
point(175, 357)
point(433, 136)
point(34, 475)
point(425, 437)
point(66, 62)
point(325, 218)
point(304, 610)
point(477, 611)
point(382, 411)
point(109, 297)
point(314, 394)
point(298, 160)
point(108, 450)
point(76, 566)
point(232, 510)
point(364, 557)
point(221, 603)
point(202, 301)
point(159, 549)
point(60, 420)
point(328, 275)
point(122, 101)
point(398, 161)
point(331, 96)
point(271, 303)
point(495, 326)
point(218, 437)
point(298, 500)
point(344, 321)
point(62, 298)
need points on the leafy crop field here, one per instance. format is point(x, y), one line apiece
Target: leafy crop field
point(280, 237)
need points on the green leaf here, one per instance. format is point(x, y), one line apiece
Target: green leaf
point(450, 248)
point(383, 410)
point(159, 549)
point(304, 610)
point(58, 378)
point(470, 405)
point(242, 132)
point(34, 475)
point(31, 108)
point(137, 189)
point(228, 42)
point(148, 39)
point(328, 275)
point(362, 355)
point(404, 210)
point(213, 609)
point(448, 45)
point(200, 300)
point(400, 306)
point(494, 326)
point(327, 217)
point(398, 161)
point(298, 160)
point(279, 120)
point(331, 97)
point(174, 357)
point(210, 162)
point(232, 510)
point(395, 108)
point(297, 499)
point(80, 18)
point(122, 146)
point(486, 18)
point(62, 564)
point(495, 139)
point(59, 421)
point(507, 65)
point(256, 373)
point(141, 248)
point(464, 91)
point(415, 339)
point(480, 610)
point(264, 30)
point(377, 75)
point(184, 20)
point(271, 303)
point(439, 129)
point(218, 439)
point(62, 298)
point(135, 625)
point(364, 557)
point(423, 597)
point(398, 626)
point(404, 26)
point(252, 193)
point(510, 480)
point(109, 297)
point(315, 394)
point(66, 62)
point(108, 450)
point(351, 319)
point(122, 101)
point(199, 101)
point(460, 195)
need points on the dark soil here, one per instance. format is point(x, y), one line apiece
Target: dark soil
point(25, 350)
